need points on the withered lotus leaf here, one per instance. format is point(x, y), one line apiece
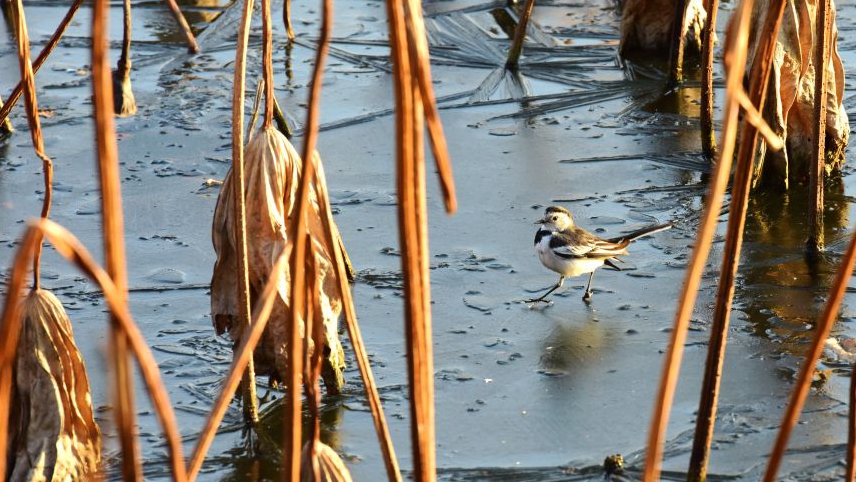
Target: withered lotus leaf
point(330, 465)
point(790, 100)
point(646, 25)
point(272, 174)
point(53, 435)
point(124, 103)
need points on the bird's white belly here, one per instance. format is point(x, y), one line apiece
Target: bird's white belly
point(567, 267)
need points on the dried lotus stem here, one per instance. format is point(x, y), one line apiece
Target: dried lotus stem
point(735, 60)
point(251, 412)
point(286, 19)
point(292, 443)
point(418, 41)
point(679, 40)
point(32, 108)
point(71, 249)
point(192, 46)
point(708, 136)
point(40, 60)
point(513, 61)
point(822, 50)
point(804, 379)
point(114, 245)
point(241, 357)
point(331, 236)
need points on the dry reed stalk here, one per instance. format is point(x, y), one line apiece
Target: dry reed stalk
point(408, 58)
point(804, 379)
point(822, 51)
point(192, 46)
point(513, 61)
point(741, 187)
point(116, 298)
point(708, 136)
point(286, 19)
point(240, 216)
point(679, 38)
point(850, 471)
point(299, 227)
point(32, 108)
point(241, 357)
point(331, 234)
point(124, 103)
point(418, 42)
point(735, 60)
point(112, 229)
point(40, 60)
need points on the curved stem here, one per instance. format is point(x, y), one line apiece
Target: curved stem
point(10, 324)
point(240, 216)
point(192, 46)
point(40, 60)
point(513, 60)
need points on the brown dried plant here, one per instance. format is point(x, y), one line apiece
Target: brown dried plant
point(52, 429)
point(72, 250)
point(736, 52)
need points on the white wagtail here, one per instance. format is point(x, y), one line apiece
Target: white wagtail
point(571, 251)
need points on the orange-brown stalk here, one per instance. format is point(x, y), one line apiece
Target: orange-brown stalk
point(513, 60)
point(32, 108)
point(192, 46)
point(267, 64)
point(708, 136)
point(737, 217)
point(249, 393)
point(418, 44)
point(850, 472)
point(333, 239)
point(292, 442)
point(803, 382)
point(40, 60)
point(315, 330)
point(679, 40)
point(822, 49)
point(10, 326)
point(240, 358)
point(735, 61)
point(286, 19)
point(112, 227)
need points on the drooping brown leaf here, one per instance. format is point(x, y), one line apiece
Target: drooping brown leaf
point(646, 25)
point(52, 430)
point(789, 108)
point(272, 176)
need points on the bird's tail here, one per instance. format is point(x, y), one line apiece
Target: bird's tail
point(640, 233)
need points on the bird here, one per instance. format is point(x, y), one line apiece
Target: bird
point(571, 251)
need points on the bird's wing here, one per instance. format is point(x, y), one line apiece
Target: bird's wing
point(579, 243)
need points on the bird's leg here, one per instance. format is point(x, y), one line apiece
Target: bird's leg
point(554, 288)
point(587, 294)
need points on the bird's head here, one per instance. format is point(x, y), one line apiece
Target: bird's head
point(556, 218)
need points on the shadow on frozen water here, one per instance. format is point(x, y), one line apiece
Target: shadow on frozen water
point(522, 393)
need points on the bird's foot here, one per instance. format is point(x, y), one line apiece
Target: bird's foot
point(587, 296)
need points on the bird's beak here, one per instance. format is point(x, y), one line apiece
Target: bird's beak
point(540, 221)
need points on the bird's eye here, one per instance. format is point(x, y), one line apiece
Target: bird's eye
point(555, 218)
